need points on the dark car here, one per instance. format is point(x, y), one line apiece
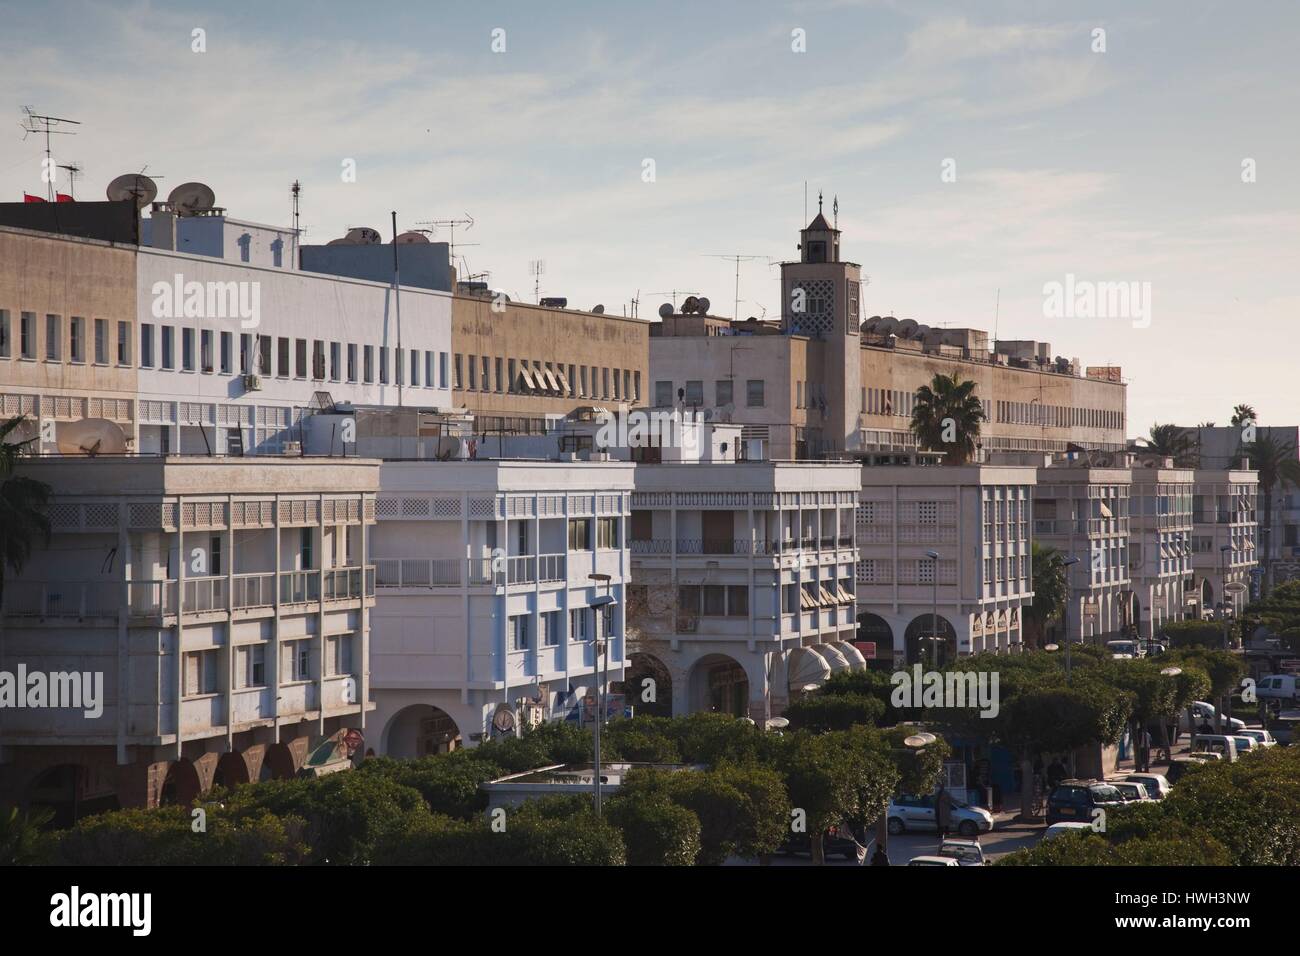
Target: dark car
point(1073, 800)
point(837, 841)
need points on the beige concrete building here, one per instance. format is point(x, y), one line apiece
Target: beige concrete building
point(1160, 549)
point(1225, 544)
point(514, 364)
point(221, 607)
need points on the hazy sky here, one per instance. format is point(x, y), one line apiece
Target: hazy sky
point(1123, 165)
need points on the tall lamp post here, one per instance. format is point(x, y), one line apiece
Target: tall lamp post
point(600, 604)
point(934, 618)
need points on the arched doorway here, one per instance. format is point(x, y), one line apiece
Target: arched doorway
point(277, 764)
point(919, 640)
point(419, 731)
point(718, 684)
point(64, 791)
point(874, 629)
point(1207, 597)
point(647, 686)
point(232, 770)
point(182, 785)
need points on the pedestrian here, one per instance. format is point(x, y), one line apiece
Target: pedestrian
point(943, 811)
point(880, 857)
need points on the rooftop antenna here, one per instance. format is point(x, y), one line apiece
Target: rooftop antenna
point(835, 211)
point(674, 293)
point(73, 170)
point(295, 190)
point(997, 312)
point(36, 123)
point(738, 258)
point(451, 224)
point(537, 268)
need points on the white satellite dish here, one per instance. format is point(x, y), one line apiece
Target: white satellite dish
point(362, 236)
point(135, 186)
point(90, 436)
point(190, 198)
point(408, 238)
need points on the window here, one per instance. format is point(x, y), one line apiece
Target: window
point(338, 655)
point(579, 534)
point(124, 343)
point(383, 365)
point(663, 391)
point(300, 358)
point(53, 338)
point(27, 334)
point(754, 393)
point(168, 347)
point(297, 661)
point(550, 628)
point(415, 367)
point(352, 362)
point(398, 359)
point(368, 365)
point(5, 347)
point(578, 626)
point(694, 393)
point(214, 551)
point(305, 542)
point(737, 600)
point(146, 345)
point(200, 673)
point(715, 600)
point(250, 666)
point(486, 378)
point(264, 354)
point(442, 370)
point(282, 357)
point(723, 392)
point(519, 632)
point(205, 350)
point(455, 373)
point(227, 346)
point(607, 533)
point(77, 338)
point(187, 350)
point(688, 599)
point(318, 360)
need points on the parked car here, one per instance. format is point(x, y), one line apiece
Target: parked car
point(911, 812)
point(1204, 714)
point(1279, 687)
point(1058, 829)
point(1121, 650)
point(837, 841)
point(965, 852)
point(932, 861)
point(1222, 744)
point(1156, 783)
point(1262, 738)
point(1075, 800)
point(1245, 744)
point(1132, 791)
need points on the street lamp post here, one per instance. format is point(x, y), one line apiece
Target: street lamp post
point(934, 619)
point(600, 604)
point(1065, 614)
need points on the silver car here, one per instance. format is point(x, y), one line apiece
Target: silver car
point(910, 812)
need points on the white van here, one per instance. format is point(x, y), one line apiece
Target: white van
point(1221, 744)
point(1282, 687)
point(1204, 712)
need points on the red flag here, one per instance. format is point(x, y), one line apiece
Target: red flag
point(28, 197)
point(63, 197)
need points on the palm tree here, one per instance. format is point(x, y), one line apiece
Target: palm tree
point(23, 504)
point(1171, 441)
point(19, 834)
point(947, 418)
point(1051, 592)
point(1278, 467)
point(1242, 414)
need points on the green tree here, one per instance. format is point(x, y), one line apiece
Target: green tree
point(1051, 592)
point(1241, 414)
point(1171, 441)
point(19, 832)
point(946, 417)
point(656, 831)
point(1278, 467)
point(23, 505)
point(818, 712)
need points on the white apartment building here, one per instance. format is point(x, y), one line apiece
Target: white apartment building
point(1083, 512)
point(224, 607)
point(1160, 548)
point(492, 600)
point(743, 579)
point(1224, 537)
point(976, 519)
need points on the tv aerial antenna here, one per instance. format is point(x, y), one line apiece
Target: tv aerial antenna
point(39, 124)
point(450, 225)
point(73, 170)
point(738, 258)
point(674, 293)
point(537, 269)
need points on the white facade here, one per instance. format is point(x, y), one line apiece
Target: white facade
point(486, 600)
point(1160, 552)
point(1224, 537)
point(202, 376)
point(976, 518)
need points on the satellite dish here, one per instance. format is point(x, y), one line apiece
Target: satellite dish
point(338, 242)
point(915, 740)
point(135, 186)
point(189, 198)
point(665, 310)
point(906, 328)
point(407, 238)
point(362, 236)
point(503, 721)
point(691, 305)
point(90, 436)
point(702, 305)
point(598, 310)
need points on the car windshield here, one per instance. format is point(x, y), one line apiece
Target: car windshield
point(1105, 793)
point(968, 853)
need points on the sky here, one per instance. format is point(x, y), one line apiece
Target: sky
point(979, 152)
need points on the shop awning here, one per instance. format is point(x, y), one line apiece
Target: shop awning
point(527, 376)
point(856, 661)
point(833, 656)
point(806, 666)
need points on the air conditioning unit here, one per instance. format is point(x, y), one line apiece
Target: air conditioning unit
point(252, 383)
